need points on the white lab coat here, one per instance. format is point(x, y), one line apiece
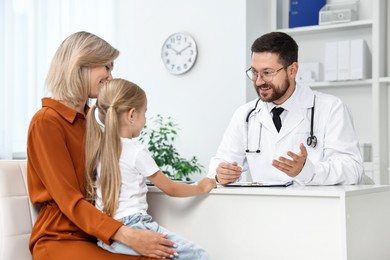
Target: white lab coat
point(335, 160)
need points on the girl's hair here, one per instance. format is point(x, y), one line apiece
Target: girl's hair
point(103, 142)
point(68, 76)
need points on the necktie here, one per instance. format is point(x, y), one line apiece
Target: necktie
point(276, 111)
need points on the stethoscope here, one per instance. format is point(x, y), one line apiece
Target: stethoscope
point(311, 140)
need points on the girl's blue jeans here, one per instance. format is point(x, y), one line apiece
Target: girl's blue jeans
point(185, 249)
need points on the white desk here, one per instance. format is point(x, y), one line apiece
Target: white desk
point(297, 223)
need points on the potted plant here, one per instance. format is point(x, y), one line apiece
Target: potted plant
point(159, 138)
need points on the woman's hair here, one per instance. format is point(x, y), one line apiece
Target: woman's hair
point(103, 142)
point(279, 43)
point(69, 72)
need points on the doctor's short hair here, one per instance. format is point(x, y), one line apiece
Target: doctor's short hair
point(278, 43)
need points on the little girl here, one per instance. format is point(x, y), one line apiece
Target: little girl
point(117, 166)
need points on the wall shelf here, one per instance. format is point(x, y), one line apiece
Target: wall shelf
point(328, 28)
point(384, 80)
point(374, 28)
point(344, 84)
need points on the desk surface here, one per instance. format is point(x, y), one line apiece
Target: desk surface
point(296, 222)
point(299, 190)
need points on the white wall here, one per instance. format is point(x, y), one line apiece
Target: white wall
point(203, 100)
point(31, 32)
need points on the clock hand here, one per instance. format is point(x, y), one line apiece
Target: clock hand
point(177, 52)
point(184, 49)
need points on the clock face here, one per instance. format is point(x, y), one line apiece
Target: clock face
point(179, 53)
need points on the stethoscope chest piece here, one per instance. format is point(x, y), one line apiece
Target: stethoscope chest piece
point(312, 141)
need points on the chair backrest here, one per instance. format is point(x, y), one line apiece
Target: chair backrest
point(17, 213)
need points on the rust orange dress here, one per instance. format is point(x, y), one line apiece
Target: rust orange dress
point(67, 224)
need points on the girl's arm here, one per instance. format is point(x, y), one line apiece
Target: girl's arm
point(179, 189)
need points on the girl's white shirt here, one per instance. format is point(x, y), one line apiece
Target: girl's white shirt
point(136, 163)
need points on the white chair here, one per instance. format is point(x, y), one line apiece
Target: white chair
point(17, 213)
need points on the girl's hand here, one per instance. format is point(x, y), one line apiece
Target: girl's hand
point(207, 184)
point(180, 189)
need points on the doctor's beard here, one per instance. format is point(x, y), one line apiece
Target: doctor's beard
point(275, 94)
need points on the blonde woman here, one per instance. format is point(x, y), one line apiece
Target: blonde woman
point(67, 224)
point(117, 166)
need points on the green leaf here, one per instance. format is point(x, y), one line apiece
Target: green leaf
point(160, 138)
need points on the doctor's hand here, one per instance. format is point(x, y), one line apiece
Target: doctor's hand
point(228, 172)
point(293, 166)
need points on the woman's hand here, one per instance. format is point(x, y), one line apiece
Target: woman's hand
point(207, 184)
point(146, 242)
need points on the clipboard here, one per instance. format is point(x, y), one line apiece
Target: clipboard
point(149, 183)
point(259, 184)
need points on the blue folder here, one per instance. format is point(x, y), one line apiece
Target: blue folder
point(304, 12)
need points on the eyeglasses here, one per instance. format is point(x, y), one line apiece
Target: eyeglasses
point(266, 75)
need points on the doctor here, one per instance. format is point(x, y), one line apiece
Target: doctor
point(316, 143)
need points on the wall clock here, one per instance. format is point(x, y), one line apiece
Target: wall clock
point(179, 53)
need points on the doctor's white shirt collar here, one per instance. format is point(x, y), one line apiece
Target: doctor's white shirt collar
point(287, 105)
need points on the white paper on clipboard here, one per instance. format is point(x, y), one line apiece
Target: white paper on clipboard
point(259, 184)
